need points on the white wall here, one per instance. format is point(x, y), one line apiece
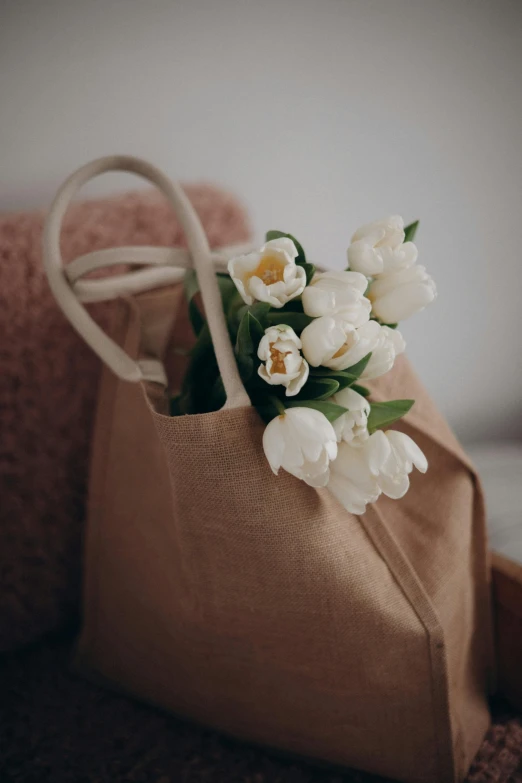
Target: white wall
point(320, 115)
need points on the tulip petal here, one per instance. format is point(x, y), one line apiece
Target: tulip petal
point(364, 259)
point(302, 441)
point(387, 345)
point(350, 480)
point(378, 450)
point(310, 445)
point(330, 292)
point(274, 443)
point(283, 245)
point(373, 233)
point(297, 383)
point(318, 481)
point(408, 450)
point(321, 339)
point(395, 487)
point(410, 253)
point(243, 265)
point(351, 400)
point(399, 295)
point(349, 495)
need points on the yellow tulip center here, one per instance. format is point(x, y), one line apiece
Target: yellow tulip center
point(342, 350)
point(350, 341)
point(270, 269)
point(278, 360)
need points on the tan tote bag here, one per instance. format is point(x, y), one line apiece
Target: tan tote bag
point(254, 603)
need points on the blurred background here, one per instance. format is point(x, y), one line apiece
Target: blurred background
point(319, 116)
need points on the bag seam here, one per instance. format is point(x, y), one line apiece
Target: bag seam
point(404, 574)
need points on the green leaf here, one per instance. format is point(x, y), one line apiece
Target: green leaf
point(301, 257)
point(191, 288)
point(356, 370)
point(227, 289)
point(175, 406)
point(196, 319)
point(361, 390)
point(190, 284)
point(293, 306)
point(200, 376)
point(309, 269)
point(267, 410)
point(244, 344)
point(218, 396)
point(202, 345)
point(391, 326)
point(234, 312)
point(297, 321)
point(329, 409)
point(246, 367)
point(249, 334)
point(260, 311)
point(382, 414)
point(410, 231)
point(318, 389)
point(343, 377)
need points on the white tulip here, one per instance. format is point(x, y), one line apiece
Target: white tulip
point(332, 341)
point(280, 348)
point(351, 480)
point(379, 248)
point(391, 457)
point(382, 464)
point(330, 292)
point(270, 275)
point(352, 426)
point(399, 295)
point(387, 232)
point(301, 441)
point(388, 344)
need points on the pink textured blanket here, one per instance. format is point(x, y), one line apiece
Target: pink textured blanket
point(48, 387)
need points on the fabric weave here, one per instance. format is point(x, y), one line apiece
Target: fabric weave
point(257, 605)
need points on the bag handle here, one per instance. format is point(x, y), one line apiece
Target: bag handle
point(159, 266)
point(116, 359)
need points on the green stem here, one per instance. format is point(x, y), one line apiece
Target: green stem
point(278, 405)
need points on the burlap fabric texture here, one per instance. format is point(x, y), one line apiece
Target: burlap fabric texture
point(256, 604)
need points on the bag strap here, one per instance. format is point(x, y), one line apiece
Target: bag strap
point(114, 357)
point(165, 266)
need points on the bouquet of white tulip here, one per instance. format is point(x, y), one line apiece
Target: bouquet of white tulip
point(304, 341)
